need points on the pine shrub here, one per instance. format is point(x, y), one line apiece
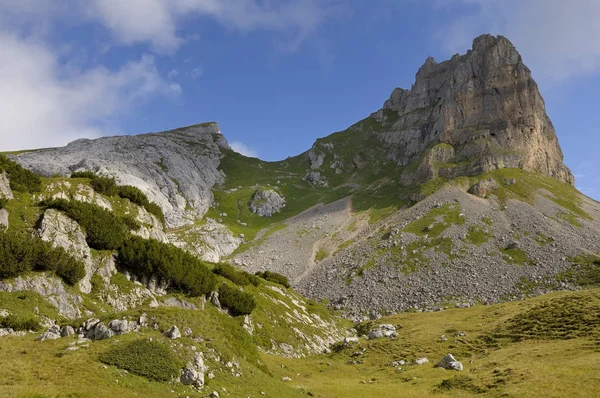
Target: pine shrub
point(237, 301)
point(148, 359)
point(274, 277)
point(21, 179)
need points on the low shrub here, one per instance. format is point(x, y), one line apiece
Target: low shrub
point(235, 275)
point(154, 258)
point(274, 277)
point(20, 253)
point(17, 322)
point(108, 186)
point(148, 359)
point(84, 174)
point(3, 202)
point(237, 301)
point(21, 179)
point(104, 230)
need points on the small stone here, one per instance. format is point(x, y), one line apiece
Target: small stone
point(173, 333)
point(421, 361)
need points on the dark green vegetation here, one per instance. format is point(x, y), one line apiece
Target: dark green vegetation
point(104, 230)
point(275, 278)
point(19, 322)
point(21, 253)
point(237, 301)
point(108, 186)
point(235, 275)
point(152, 258)
point(149, 359)
point(21, 180)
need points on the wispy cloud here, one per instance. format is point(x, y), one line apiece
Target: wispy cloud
point(157, 21)
point(244, 149)
point(46, 104)
point(557, 40)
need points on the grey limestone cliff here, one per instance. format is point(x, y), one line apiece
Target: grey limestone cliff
point(176, 169)
point(471, 114)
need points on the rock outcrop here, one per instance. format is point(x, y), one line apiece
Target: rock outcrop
point(175, 169)
point(266, 202)
point(471, 114)
point(5, 191)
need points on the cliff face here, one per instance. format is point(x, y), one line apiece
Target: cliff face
point(176, 169)
point(471, 114)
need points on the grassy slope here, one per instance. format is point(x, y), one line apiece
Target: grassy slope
point(33, 368)
point(493, 367)
point(496, 362)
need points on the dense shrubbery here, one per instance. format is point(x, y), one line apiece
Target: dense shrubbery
point(108, 186)
point(238, 277)
point(21, 253)
point(144, 358)
point(275, 278)
point(237, 302)
point(104, 230)
point(16, 322)
point(3, 202)
point(150, 257)
point(21, 180)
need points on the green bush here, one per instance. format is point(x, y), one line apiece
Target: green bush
point(20, 253)
point(238, 277)
point(274, 277)
point(153, 258)
point(17, 322)
point(21, 179)
point(84, 174)
point(108, 186)
point(3, 202)
point(237, 301)
point(155, 209)
point(148, 359)
point(104, 230)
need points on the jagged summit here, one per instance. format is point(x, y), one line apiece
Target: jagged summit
point(484, 105)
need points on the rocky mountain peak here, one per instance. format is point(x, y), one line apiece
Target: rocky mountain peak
point(484, 105)
point(176, 169)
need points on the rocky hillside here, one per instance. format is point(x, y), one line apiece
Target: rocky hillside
point(175, 169)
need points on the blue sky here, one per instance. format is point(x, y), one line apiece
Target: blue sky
point(275, 74)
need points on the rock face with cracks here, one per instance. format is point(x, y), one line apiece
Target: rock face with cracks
point(473, 113)
point(175, 169)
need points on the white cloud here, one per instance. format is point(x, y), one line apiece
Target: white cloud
point(45, 103)
point(557, 39)
point(197, 72)
point(156, 21)
point(244, 149)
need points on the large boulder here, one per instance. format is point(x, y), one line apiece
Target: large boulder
point(385, 330)
point(5, 191)
point(67, 331)
point(52, 333)
point(120, 326)
point(450, 363)
point(266, 202)
point(173, 333)
point(101, 332)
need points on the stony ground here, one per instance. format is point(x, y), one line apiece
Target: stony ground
point(488, 252)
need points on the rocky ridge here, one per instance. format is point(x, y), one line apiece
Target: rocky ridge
point(474, 113)
point(176, 169)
